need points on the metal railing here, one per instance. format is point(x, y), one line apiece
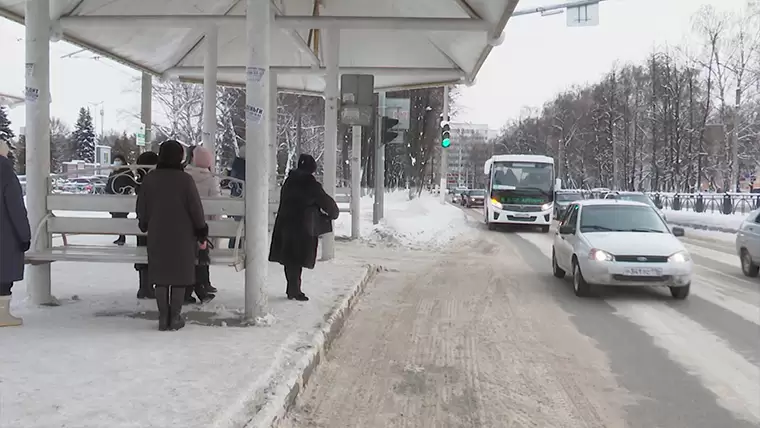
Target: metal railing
point(722, 203)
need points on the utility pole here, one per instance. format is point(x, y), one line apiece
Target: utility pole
point(735, 143)
point(444, 165)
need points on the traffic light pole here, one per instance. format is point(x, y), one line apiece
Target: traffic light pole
point(377, 207)
point(356, 180)
point(444, 160)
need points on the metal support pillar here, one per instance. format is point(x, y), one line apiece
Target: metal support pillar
point(37, 93)
point(259, 17)
point(444, 157)
point(377, 208)
point(356, 180)
point(735, 145)
point(332, 60)
point(274, 192)
point(209, 91)
point(146, 108)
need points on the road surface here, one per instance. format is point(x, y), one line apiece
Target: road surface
point(484, 336)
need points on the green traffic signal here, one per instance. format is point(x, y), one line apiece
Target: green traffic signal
point(445, 143)
point(445, 134)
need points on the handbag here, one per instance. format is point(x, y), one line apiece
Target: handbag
point(317, 223)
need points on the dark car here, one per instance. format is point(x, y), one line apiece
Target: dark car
point(563, 198)
point(473, 198)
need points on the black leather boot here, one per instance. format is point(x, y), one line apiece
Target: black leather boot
point(162, 301)
point(146, 288)
point(176, 321)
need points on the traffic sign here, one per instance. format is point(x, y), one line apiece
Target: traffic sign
point(140, 136)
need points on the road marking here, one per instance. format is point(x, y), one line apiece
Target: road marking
point(718, 256)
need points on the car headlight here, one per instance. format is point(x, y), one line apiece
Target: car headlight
point(600, 255)
point(496, 203)
point(680, 257)
point(545, 207)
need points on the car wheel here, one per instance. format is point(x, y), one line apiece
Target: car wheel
point(580, 286)
point(544, 229)
point(680, 293)
point(749, 268)
point(556, 270)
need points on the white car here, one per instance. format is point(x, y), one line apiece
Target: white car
point(620, 243)
point(748, 244)
point(636, 197)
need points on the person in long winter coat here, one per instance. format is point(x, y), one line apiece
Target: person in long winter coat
point(237, 170)
point(169, 209)
point(120, 182)
point(145, 290)
point(15, 235)
point(208, 187)
point(293, 246)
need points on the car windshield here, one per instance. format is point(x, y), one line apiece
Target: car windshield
point(620, 218)
point(568, 197)
point(521, 175)
point(635, 198)
point(477, 193)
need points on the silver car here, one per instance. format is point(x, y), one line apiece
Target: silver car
point(748, 244)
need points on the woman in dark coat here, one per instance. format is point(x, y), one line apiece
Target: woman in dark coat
point(293, 244)
point(15, 235)
point(120, 182)
point(169, 209)
point(145, 290)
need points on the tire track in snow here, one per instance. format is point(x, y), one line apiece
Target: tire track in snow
point(733, 379)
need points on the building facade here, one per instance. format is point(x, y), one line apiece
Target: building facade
point(469, 144)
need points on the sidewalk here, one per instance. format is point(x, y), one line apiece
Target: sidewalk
point(716, 222)
point(98, 361)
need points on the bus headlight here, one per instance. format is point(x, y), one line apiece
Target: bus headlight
point(546, 207)
point(496, 204)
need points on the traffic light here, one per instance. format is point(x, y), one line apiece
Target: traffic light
point(388, 134)
point(445, 134)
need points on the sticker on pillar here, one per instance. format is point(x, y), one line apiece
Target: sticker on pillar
point(254, 74)
point(254, 113)
point(29, 69)
point(31, 94)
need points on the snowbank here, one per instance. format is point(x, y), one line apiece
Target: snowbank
point(98, 361)
point(707, 221)
point(422, 222)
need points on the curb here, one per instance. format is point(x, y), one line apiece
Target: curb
point(284, 399)
point(703, 227)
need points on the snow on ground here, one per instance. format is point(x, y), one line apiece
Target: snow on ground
point(708, 221)
point(98, 361)
point(422, 222)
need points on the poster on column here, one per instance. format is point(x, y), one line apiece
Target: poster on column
point(31, 94)
point(254, 74)
point(254, 113)
point(29, 69)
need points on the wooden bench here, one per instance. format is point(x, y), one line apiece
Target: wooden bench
point(79, 225)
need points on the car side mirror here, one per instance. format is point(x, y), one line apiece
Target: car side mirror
point(679, 231)
point(566, 230)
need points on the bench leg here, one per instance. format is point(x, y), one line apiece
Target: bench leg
point(38, 285)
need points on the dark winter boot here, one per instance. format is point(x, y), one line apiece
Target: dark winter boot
point(146, 288)
point(121, 240)
point(162, 301)
point(176, 321)
point(188, 296)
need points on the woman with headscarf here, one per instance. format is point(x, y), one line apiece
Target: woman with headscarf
point(145, 290)
point(15, 235)
point(305, 212)
point(169, 209)
point(208, 186)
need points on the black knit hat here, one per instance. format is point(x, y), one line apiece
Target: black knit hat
point(170, 155)
point(307, 163)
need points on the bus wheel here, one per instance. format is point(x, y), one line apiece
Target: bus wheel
point(544, 229)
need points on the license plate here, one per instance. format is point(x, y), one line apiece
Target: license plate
point(521, 215)
point(642, 272)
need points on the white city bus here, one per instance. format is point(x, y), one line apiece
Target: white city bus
point(520, 190)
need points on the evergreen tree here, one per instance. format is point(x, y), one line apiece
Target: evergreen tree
point(84, 137)
point(6, 133)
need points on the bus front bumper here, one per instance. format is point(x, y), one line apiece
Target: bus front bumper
point(539, 218)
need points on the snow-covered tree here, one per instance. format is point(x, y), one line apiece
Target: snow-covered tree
point(84, 137)
point(6, 133)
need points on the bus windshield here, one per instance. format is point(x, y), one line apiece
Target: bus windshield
point(522, 175)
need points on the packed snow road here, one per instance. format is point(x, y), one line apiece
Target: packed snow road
point(484, 336)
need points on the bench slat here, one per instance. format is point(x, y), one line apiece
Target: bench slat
point(126, 204)
point(77, 253)
point(126, 226)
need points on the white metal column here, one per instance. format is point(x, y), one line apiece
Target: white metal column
point(210, 65)
point(259, 17)
point(444, 155)
point(37, 93)
point(377, 212)
point(274, 193)
point(332, 60)
point(146, 108)
point(356, 180)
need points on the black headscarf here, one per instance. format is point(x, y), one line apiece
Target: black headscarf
point(307, 163)
point(170, 155)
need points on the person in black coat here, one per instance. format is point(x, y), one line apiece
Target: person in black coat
point(294, 239)
point(121, 181)
point(145, 290)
